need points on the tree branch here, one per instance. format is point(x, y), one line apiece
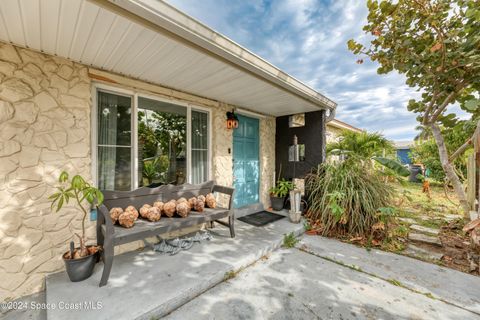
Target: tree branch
point(442, 107)
point(429, 108)
point(460, 150)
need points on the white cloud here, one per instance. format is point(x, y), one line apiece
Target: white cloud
point(307, 39)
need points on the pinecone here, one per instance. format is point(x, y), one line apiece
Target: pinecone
point(191, 202)
point(115, 213)
point(183, 209)
point(159, 205)
point(144, 210)
point(153, 214)
point(182, 199)
point(133, 210)
point(201, 198)
point(169, 208)
point(199, 206)
point(127, 219)
point(210, 201)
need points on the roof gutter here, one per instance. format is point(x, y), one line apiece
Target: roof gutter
point(162, 17)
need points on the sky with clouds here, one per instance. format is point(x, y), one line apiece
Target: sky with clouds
point(307, 39)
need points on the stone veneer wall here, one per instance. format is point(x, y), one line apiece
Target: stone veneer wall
point(267, 158)
point(45, 126)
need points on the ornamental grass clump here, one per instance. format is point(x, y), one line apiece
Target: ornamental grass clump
point(345, 197)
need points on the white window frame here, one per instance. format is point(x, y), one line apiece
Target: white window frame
point(134, 123)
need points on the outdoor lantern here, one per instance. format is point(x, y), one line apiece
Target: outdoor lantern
point(232, 120)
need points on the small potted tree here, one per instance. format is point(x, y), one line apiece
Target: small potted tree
point(279, 192)
point(79, 261)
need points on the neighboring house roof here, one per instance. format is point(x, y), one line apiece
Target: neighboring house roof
point(342, 125)
point(403, 144)
point(152, 41)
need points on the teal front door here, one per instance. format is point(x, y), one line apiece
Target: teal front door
point(246, 162)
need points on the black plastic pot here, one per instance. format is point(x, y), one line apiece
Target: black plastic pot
point(277, 202)
point(80, 269)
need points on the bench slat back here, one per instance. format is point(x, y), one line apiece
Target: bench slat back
point(145, 195)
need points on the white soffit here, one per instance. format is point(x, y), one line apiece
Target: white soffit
point(171, 49)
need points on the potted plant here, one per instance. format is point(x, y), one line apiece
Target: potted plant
point(80, 261)
point(279, 192)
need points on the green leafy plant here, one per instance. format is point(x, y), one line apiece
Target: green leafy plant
point(289, 240)
point(434, 44)
point(81, 192)
point(393, 165)
point(282, 188)
point(364, 145)
point(386, 215)
point(346, 196)
point(151, 170)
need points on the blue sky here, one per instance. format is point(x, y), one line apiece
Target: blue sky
point(307, 39)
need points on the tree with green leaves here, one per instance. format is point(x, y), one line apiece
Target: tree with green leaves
point(426, 150)
point(361, 144)
point(81, 192)
point(436, 45)
point(367, 147)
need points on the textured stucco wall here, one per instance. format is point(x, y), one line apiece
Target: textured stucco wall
point(333, 133)
point(45, 127)
point(267, 158)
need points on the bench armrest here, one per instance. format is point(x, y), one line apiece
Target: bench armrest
point(104, 218)
point(225, 190)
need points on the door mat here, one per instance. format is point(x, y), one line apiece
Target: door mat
point(259, 219)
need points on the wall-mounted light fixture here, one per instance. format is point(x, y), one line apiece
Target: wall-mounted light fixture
point(232, 120)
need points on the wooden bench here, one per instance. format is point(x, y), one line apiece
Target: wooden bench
point(110, 235)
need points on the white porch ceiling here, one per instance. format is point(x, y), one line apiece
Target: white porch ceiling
point(109, 39)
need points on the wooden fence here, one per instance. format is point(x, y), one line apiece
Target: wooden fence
point(473, 176)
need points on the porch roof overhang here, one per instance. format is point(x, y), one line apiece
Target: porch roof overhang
point(152, 41)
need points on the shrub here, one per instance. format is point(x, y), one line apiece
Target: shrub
point(346, 197)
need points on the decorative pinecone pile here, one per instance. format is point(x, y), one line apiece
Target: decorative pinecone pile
point(115, 213)
point(181, 207)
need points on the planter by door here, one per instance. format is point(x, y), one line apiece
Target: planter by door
point(246, 162)
point(277, 203)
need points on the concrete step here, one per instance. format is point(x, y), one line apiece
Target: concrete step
point(146, 284)
point(244, 211)
point(420, 237)
point(425, 230)
point(408, 220)
point(422, 253)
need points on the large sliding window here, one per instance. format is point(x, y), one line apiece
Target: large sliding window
point(144, 141)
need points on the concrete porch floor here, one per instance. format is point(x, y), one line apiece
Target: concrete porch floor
point(145, 284)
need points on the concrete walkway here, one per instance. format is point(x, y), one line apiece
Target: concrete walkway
point(145, 284)
point(457, 288)
point(294, 284)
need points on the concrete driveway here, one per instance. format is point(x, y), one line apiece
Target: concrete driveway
point(295, 284)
